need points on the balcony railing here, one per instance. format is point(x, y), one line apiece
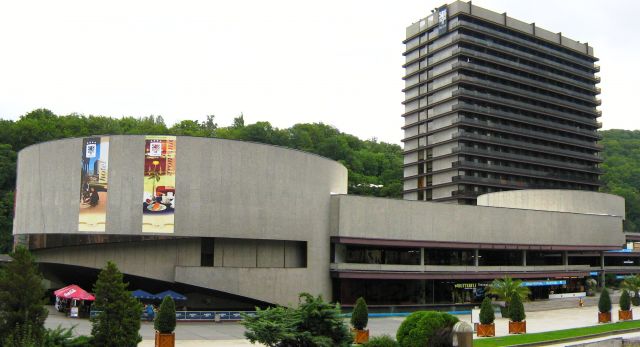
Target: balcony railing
point(524, 172)
point(525, 159)
point(464, 106)
point(525, 145)
point(522, 105)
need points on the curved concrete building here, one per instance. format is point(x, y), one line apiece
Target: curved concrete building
point(231, 221)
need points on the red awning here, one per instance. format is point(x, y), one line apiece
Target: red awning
point(73, 292)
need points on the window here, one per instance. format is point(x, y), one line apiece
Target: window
point(207, 244)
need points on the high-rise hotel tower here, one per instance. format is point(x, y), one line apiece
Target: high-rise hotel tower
point(493, 103)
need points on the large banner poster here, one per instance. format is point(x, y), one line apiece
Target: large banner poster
point(94, 184)
point(159, 200)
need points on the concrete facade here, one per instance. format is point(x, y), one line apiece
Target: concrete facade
point(266, 223)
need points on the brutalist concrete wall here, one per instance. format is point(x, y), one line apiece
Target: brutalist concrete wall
point(224, 189)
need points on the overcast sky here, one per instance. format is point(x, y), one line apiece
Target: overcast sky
point(286, 62)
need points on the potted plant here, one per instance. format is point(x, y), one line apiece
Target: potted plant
point(359, 320)
point(504, 288)
point(165, 323)
point(604, 307)
point(517, 324)
point(625, 313)
point(487, 327)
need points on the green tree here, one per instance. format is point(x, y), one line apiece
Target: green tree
point(22, 298)
point(505, 287)
point(166, 320)
point(604, 303)
point(487, 316)
point(118, 322)
point(360, 314)
point(516, 309)
point(625, 301)
point(631, 283)
point(314, 323)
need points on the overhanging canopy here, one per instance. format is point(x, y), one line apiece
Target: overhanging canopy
point(172, 294)
point(73, 292)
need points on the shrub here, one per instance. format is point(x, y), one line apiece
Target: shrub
point(166, 320)
point(625, 301)
point(487, 316)
point(516, 309)
point(604, 304)
point(313, 323)
point(61, 337)
point(419, 327)
point(591, 286)
point(636, 299)
point(360, 315)
point(381, 341)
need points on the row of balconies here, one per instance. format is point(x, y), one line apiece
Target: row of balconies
point(492, 98)
point(512, 38)
point(513, 182)
point(529, 133)
point(484, 83)
point(466, 164)
point(489, 153)
point(464, 106)
point(526, 56)
point(461, 134)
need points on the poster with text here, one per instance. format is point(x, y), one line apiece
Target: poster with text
point(159, 200)
point(94, 184)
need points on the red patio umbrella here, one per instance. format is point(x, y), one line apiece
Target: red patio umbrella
point(73, 292)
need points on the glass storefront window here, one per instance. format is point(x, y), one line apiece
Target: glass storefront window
point(389, 255)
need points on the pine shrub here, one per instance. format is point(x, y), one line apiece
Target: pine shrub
point(516, 309)
point(419, 327)
point(625, 301)
point(118, 322)
point(487, 316)
point(166, 320)
point(604, 304)
point(636, 299)
point(360, 314)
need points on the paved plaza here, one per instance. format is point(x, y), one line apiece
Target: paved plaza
point(194, 334)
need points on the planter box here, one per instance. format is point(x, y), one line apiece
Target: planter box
point(360, 336)
point(517, 327)
point(486, 330)
point(625, 315)
point(604, 317)
point(165, 340)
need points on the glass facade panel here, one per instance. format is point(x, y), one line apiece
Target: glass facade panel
point(390, 255)
point(448, 257)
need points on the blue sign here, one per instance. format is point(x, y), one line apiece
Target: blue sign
point(593, 273)
point(180, 315)
point(543, 283)
point(208, 315)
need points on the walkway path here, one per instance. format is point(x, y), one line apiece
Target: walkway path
point(541, 316)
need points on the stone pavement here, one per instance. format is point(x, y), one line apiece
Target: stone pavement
point(231, 334)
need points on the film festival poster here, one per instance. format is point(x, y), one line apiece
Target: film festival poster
point(94, 184)
point(159, 200)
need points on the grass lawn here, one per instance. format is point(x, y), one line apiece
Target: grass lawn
point(554, 335)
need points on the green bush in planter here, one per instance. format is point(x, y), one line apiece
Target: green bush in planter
point(516, 309)
point(636, 299)
point(381, 341)
point(487, 316)
point(166, 320)
point(625, 301)
point(360, 315)
point(419, 327)
point(604, 304)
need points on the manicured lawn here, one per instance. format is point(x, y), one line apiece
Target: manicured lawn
point(554, 335)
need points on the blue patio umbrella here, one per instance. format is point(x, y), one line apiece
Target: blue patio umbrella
point(142, 295)
point(172, 294)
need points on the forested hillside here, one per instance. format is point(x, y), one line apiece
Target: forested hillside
point(622, 171)
point(375, 168)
